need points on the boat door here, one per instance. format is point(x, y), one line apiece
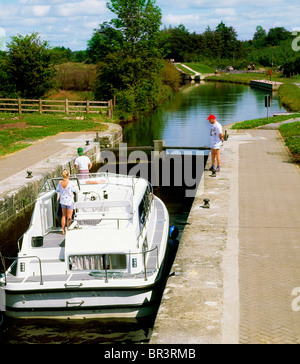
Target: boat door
point(47, 219)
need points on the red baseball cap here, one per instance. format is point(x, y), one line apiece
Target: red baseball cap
point(211, 117)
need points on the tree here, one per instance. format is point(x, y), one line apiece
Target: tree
point(139, 21)
point(29, 65)
point(132, 71)
point(105, 40)
point(275, 35)
point(260, 37)
point(179, 43)
point(229, 43)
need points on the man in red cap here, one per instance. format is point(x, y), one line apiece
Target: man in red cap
point(216, 140)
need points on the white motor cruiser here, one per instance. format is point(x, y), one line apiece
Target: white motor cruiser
point(111, 262)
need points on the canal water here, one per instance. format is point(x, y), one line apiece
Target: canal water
point(181, 122)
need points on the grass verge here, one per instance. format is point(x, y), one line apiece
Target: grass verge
point(291, 136)
point(252, 124)
point(19, 131)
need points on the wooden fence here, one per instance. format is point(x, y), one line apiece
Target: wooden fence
point(56, 106)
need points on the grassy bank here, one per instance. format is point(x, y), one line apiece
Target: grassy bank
point(20, 131)
point(291, 136)
point(289, 95)
point(252, 124)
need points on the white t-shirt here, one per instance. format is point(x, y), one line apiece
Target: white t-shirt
point(215, 131)
point(66, 194)
point(82, 162)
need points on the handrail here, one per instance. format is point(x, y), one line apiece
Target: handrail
point(147, 214)
point(105, 268)
point(24, 257)
point(18, 242)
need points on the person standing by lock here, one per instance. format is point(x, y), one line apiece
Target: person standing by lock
point(216, 141)
point(83, 163)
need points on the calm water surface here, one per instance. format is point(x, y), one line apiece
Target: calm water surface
point(181, 122)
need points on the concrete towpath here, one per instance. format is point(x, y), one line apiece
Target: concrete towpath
point(237, 271)
point(40, 150)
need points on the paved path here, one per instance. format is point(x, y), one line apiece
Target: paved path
point(40, 150)
point(238, 263)
point(269, 241)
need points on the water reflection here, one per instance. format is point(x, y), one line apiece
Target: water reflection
point(72, 332)
point(182, 121)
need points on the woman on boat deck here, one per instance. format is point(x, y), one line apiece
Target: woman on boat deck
point(65, 189)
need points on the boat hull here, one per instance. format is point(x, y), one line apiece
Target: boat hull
point(111, 262)
point(81, 304)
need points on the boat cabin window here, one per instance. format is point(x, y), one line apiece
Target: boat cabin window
point(97, 262)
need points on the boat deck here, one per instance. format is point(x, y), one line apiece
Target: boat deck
point(55, 240)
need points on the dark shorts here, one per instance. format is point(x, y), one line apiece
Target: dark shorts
point(64, 207)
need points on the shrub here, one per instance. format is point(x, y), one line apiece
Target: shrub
point(75, 76)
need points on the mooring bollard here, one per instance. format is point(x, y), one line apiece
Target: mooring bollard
point(206, 203)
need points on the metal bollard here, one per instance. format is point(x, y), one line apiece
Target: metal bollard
point(206, 203)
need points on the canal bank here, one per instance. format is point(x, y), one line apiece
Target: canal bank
point(236, 273)
point(23, 174)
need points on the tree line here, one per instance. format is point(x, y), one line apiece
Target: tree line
point(130, 54)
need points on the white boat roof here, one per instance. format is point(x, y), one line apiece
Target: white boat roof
point(96, 241)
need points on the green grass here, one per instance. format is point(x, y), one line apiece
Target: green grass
point(290, 96)
point(185, 70)
point(19, 131)
point(201, 68)
point(291, 135)
point(252, 124)
point(243, 78)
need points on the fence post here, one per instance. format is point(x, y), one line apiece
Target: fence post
point(111, 109)
point(87, 106)
point(40, 106)
point(67, 106)
point(20, 106)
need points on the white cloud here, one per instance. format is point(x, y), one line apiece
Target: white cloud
point(40, 10)
point(225, 12)
point(85, 7)
point(181, 19)
point(71, 23)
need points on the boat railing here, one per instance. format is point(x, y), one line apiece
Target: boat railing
point(145, 258)
point(148, 211)
point(94, 178)
point(106, 272)
point(21, 258)
point(103, 209)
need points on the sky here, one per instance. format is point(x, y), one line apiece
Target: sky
point(71, 23)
